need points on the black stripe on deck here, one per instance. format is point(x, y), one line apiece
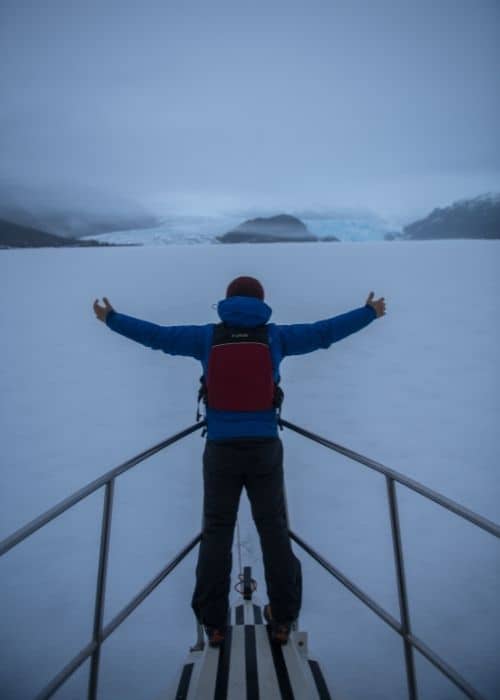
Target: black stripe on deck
point(257, 615)
point(222, 679)
point(321, 687)
point(240, 615)
point(183, 687)
point(280, 668)
point(251, 663)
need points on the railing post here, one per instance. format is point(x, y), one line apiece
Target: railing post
point(402, 594)
point(101, 588)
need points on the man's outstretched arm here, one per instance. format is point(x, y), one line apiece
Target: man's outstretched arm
point(301, 338)
point(174, 340)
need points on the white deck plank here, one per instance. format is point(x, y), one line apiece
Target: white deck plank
point(301, 680)
point(203, 685)
point(268, 681)
point(237, 686)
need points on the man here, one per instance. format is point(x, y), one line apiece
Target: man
point(240, 359)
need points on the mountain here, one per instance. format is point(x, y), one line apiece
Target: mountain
point(467, 218)
point(15, 236)
point(274, 229)
point(72, 211)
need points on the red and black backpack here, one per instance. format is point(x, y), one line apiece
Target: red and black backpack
point(240, 371)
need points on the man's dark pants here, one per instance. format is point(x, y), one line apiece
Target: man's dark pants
point(256, 464)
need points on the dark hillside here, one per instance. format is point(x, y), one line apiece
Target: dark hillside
point(16, 236)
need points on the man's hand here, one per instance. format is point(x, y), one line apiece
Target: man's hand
point(102, 311)
point(378, 305)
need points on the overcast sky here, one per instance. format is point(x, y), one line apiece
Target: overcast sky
point(391, 105)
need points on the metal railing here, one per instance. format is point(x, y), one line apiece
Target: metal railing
point(100, 633)
point(402, 627)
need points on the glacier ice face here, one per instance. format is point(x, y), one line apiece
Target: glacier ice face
point(190, 230)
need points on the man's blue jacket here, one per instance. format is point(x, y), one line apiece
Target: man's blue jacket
point(242, 312)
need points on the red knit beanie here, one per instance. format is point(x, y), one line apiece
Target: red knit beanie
point(245, 287)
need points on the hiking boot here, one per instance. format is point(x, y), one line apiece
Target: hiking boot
point(280, 631)
point(216, 635)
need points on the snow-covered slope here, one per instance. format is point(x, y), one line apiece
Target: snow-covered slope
point(468, 218)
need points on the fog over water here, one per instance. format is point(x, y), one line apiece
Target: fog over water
point(416, 390)
point(204, 107)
